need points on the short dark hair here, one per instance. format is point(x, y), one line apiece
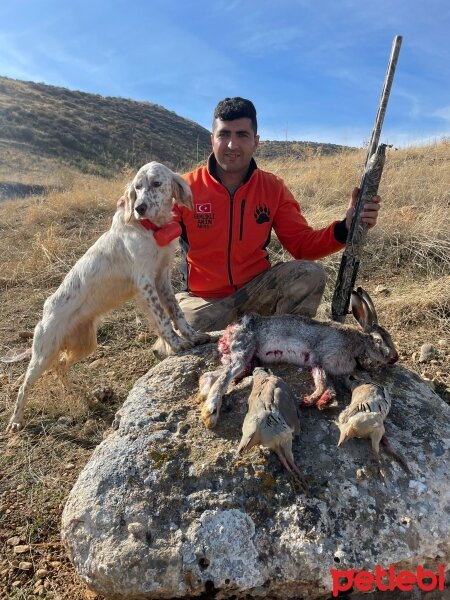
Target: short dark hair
point(230, 109)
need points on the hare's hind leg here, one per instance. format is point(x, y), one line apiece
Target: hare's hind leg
point(324, 391)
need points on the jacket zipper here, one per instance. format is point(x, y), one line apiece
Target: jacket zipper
point(241, 228)
point(230, 238)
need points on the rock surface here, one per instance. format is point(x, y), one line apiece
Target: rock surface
point(164, 508)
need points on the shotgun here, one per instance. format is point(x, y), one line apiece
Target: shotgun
point(368, 188)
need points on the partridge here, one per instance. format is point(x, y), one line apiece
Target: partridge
point(364, 418)
point(272, 419)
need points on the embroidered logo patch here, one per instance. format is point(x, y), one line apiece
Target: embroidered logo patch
point(203, 208)
point(262, 214)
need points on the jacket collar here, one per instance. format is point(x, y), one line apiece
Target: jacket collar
point(212, 168)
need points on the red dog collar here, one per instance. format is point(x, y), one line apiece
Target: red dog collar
point(165, 234)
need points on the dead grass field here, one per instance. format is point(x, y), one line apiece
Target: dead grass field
point(407, 261)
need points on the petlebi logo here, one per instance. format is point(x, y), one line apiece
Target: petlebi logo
point(387, 579)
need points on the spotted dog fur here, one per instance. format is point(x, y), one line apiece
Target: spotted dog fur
point(124, 263)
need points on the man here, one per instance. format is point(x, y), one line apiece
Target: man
point(225, 263)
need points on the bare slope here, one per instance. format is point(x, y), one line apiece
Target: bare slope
point(48, 133)
point(92, 133)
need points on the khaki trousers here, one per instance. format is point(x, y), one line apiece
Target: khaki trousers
point(294, 287)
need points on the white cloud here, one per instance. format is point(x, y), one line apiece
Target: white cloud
point(443, 113)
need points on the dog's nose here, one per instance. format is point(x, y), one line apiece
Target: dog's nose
point(140, 209)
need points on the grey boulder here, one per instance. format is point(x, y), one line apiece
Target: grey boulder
point(165, 509)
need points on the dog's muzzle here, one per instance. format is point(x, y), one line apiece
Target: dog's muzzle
point(141, 209)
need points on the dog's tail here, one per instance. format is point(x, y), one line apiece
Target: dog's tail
point(13, 356)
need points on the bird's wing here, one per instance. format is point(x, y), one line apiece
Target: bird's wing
point(288, 406)
point(378, 400)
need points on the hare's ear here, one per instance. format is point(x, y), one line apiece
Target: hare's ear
point(181, 191)
point(130, 199)
point(369, 303)
point(361, 311)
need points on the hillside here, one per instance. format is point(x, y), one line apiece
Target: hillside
point(273, 149)
point(92, 133)
point(48, 134)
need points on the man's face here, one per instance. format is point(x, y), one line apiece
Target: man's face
point(234, 143)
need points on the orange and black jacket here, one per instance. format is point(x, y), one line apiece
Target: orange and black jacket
point(224, 238)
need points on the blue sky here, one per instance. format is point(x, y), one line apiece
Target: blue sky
point(313, 68)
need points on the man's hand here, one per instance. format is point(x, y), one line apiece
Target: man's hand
point(369, 213)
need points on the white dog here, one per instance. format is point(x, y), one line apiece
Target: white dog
point(126, 262)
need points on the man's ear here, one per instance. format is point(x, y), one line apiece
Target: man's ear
point(181, 191)
point(130, 199)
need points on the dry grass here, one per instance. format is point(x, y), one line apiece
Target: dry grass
point(32, 169)
point(42, 237)
point(412, 237)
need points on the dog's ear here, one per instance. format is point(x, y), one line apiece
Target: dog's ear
point(181, 191)
point(130, 199)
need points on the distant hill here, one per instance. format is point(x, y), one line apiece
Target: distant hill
point(47, 132)
point(93, 133)
point(271, 150)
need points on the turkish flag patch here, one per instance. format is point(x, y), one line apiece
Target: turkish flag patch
point(203, 208)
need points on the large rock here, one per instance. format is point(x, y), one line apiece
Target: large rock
point(165, 509)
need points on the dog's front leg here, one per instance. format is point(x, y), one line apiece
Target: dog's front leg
point(149, 300)
point(167, 297)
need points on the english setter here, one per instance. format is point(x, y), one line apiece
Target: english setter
point(125, 262)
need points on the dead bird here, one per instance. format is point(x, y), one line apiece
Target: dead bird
point(364, 418)
point(273, 418)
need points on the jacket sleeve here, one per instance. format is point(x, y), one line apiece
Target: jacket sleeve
point(298, 238)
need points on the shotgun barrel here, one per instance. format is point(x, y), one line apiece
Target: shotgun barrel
point(368, 188)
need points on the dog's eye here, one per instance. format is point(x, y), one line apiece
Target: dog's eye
point(138, 186)
point(156, 183)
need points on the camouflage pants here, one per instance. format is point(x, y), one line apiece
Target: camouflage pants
point(294, 287)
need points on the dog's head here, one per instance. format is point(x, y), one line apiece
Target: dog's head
point(152, 192)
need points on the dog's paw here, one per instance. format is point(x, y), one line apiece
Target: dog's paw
point(14, 426)
point(201, 338)
point(186, 344)
point(179, 345)
point(162, 348)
